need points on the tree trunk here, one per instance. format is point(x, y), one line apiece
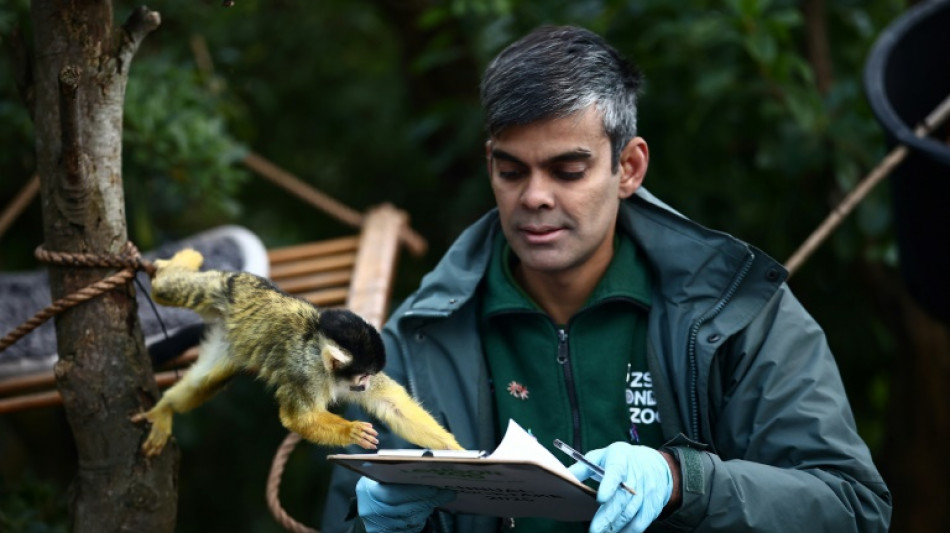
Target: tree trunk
point(104, 373)
point(919, 423)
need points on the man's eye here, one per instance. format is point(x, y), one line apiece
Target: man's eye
point(570, 170)
point(510, 174)
point(569, 176)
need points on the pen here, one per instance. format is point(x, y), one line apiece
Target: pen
point(577, 456)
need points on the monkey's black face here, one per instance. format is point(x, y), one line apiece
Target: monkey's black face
point(353, 334)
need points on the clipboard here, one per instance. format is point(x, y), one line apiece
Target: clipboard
point(520, 478)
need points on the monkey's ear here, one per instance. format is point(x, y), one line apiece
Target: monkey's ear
point(334, 357)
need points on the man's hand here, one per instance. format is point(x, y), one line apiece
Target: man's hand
point(642, 468)
point(395, 508)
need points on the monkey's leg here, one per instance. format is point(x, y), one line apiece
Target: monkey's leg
point(323, 427)
point(200, 291)
point(388, 401)
point(203, 380)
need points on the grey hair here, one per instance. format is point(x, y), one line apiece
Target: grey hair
point(556, 71)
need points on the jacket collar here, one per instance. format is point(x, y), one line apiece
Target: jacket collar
point(677, 248)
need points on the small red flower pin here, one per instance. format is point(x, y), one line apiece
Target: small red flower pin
point(518, 390)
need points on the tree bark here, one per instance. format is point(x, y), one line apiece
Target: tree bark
point(104, 373)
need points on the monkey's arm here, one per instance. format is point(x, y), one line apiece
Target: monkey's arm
point(178, 283)
point(323, 427)
point(388, 401)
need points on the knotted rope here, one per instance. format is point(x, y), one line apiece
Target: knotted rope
point(129, 260)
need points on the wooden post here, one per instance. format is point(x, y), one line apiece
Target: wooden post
point(104, 372)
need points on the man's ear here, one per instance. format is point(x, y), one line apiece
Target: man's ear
point(634, 160)
point(488, 156)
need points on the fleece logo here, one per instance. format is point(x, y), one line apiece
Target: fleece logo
point(640, 400)
point(518, 390)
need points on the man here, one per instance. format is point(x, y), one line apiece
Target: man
point(587, 310)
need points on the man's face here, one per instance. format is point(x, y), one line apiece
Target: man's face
point(556, 193)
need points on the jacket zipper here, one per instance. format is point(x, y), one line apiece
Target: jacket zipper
point(694, 334)
point(564, 359)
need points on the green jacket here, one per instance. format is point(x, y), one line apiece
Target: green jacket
point(749, 393)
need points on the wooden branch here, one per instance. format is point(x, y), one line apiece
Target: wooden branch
point(140, 23)
point(936, 117)
point(19, 203)
point(416, 244)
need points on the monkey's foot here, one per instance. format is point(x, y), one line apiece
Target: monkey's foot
point(161, 420)
point(187, 259)
point(363, 435)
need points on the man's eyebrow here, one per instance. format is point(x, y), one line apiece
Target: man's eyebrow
point(504, 156)
point(573, 155)
point(577, 154)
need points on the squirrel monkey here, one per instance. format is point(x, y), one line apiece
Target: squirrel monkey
point(312, 358)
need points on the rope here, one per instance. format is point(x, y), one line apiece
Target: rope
point(129, 260)
point(273, 486)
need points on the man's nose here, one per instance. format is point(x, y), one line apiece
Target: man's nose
point(538, 192)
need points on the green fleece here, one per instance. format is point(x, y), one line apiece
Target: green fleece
point(569, 381)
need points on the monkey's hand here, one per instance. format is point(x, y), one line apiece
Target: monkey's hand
point(323, 427)
point(161, 419)
point(363, 435)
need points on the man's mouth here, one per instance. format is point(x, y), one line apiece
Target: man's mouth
point(540, 234)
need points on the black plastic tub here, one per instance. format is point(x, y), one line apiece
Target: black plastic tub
point(907, 75)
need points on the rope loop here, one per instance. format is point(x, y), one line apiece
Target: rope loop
point(128, 259)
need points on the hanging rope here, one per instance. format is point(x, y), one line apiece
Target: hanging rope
point(273, 486)
point(129, 260)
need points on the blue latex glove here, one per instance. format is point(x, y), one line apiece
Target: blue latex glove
point(644, 470)
point(396, 508)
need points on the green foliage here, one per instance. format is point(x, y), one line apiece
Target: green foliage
point(32, 506)
point(181, 162)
